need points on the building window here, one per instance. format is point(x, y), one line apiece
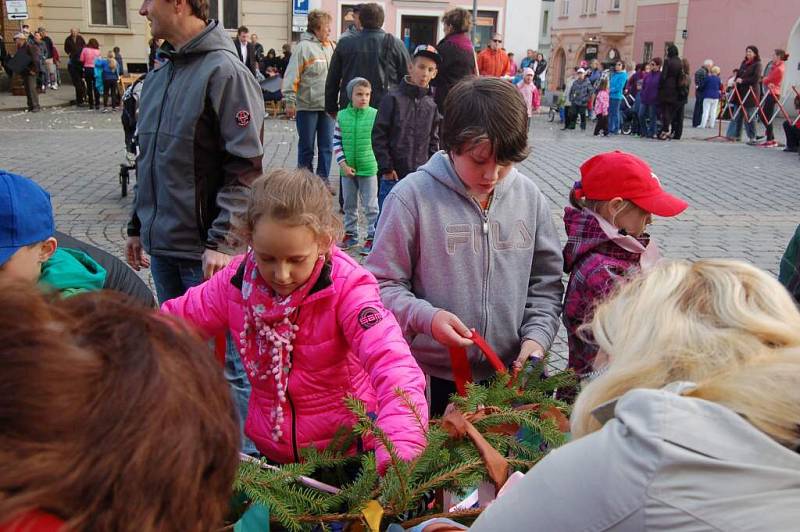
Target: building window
point(485, 27)
point(616, 5)
point(109, 13)
point(564, 8)
point(226, 11)
point(545, 23)
point(589, 7)
point(648, 52)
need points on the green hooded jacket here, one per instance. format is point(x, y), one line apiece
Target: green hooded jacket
point(71, 272)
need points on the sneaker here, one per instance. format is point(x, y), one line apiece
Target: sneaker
point(768, 144)
point(366, 249)
point(350, 241)
point(55, 86)
point(105, 110)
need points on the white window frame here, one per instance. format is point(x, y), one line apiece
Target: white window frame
point(545, 22)
point(220, 12)
point(616, 5)
point(564, 11)
point(109, 23)
point(592, 7)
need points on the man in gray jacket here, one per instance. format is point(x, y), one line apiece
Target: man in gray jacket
point(200, 128)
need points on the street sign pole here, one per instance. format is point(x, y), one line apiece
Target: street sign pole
point(474, 20)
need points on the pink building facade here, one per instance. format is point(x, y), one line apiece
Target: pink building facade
point(583, 30)
point(719, 30)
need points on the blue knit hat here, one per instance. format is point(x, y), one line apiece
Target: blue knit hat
point(26, 214)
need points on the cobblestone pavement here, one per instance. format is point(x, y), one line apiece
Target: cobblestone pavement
point(742, 199)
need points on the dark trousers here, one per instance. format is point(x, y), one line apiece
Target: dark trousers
point(667, 115)
point(92, 94)
point(31, 90)
point(677, 121)
point(769, 108)
point(110, 89)
point(697, 113)
point(76, 75)
point(792, 136)
point(572, 118)
point(440, 391)
point(601, 125)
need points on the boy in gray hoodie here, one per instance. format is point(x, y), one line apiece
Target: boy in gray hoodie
point(467, 242)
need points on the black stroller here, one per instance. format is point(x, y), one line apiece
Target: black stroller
point(630, 120)
point(130, 113)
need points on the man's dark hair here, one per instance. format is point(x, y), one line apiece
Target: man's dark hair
point(492, 109)
point(116, 49)
point(242, 29)
point(199, 9)
point(371, 16)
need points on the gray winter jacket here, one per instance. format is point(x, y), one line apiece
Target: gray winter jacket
point(661, 462)
point(580, 92)
point(499, 271)
point(201, 121)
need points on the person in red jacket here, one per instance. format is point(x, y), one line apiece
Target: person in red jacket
point(773, 77)
point(493, 61)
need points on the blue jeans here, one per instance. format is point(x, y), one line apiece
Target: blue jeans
point(647, 120)
point(173, 277)
point(613, 115)
point(735, 126)
point(366, 189)
point(384, 187)
point(315, 126)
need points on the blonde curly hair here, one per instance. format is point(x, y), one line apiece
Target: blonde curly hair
point(723, 324)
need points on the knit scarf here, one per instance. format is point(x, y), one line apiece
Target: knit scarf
point(266, 340)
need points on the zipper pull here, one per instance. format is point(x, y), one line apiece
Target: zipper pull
point(486, 227)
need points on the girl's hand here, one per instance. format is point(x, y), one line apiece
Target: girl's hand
point(529, 349)
point(450, 331)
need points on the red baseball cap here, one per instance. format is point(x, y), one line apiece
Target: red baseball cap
point(622, 175)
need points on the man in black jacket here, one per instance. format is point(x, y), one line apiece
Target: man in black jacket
point(246, 49)
point(29, 54)
point(372, 54)
point(73, 46)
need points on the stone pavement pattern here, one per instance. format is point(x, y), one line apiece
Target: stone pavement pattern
point(742, 199)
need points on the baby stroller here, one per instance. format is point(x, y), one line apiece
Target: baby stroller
point(130, 113)
point(630, 121)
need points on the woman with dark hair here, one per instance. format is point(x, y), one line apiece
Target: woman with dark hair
point(748, 85)
point(671, 74)
point(271, 60)
point(773, 77)
point(457, 53)
point(89, 55)
point(541, 67)
point(111, 418)
point(683, 99)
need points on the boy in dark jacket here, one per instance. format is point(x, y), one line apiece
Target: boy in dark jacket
point(579, 96)
point(406, 131)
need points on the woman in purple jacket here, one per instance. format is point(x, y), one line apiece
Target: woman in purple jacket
point(648, 98)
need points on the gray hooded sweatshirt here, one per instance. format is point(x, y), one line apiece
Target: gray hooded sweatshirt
point(499, 271)
point(201, 121)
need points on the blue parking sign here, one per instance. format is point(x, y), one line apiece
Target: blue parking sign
point(300, 7)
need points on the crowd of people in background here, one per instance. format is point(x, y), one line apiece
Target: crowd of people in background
point(651, 98)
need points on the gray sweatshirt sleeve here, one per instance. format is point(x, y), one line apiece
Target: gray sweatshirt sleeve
point(392, 263)
point(239, 106)
point(545, 289)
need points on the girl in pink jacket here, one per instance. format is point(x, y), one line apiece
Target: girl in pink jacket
point(530, 94)
point(310, 326)
point(601, 108)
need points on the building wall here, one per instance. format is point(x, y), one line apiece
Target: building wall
point(655, 23)
point(523, 26)
point(268, 18)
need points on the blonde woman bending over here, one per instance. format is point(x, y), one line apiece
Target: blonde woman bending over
point(694, 425)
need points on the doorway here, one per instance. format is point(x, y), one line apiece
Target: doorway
point(416, 30)
point(560, 64)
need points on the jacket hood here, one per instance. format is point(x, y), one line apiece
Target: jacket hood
point(71, 271)
point(585, 236)
point(213, 37)
point(440, 169)
point(308, 36)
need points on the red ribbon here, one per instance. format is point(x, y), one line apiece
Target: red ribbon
point(462, 372)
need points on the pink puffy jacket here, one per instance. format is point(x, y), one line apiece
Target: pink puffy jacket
point(348, 343)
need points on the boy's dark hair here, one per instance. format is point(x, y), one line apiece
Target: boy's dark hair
point(242, 29)
point(371, 16)
point(490, 109)
point(199, 9)
point(116, 49)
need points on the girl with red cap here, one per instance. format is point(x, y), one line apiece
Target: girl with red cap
point(612, 205)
